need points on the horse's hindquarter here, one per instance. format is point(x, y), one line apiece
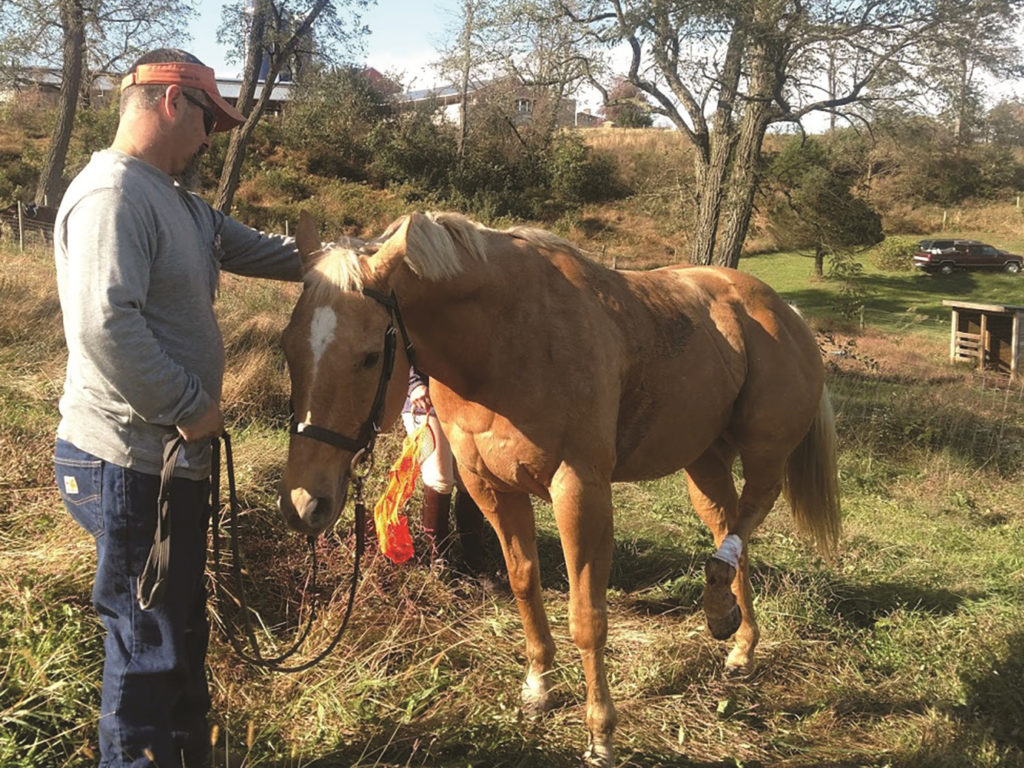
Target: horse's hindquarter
point(686, 367)
point(719, 354)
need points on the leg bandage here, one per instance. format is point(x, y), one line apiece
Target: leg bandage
point(730, 551)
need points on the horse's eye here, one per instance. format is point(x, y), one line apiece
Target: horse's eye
point(371, 360)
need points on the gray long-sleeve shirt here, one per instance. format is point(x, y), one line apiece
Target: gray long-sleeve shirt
point(138, 260)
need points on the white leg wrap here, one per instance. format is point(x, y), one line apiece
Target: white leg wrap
point(730, 551)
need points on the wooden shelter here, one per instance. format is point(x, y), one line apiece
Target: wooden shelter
point(989, 335)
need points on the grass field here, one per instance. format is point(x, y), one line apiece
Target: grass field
point(907, 650)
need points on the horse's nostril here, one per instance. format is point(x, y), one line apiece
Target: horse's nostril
point(320, 512)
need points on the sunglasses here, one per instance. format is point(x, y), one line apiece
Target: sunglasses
point(209, 117)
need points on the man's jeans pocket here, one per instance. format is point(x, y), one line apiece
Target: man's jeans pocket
point(80, 482)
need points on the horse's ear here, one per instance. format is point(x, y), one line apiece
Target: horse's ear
point(392, 251)
point(307, 238)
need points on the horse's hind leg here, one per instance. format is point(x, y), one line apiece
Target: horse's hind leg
point(728, 597)
point(714, 498)
point(582, 504)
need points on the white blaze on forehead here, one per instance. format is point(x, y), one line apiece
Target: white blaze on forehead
point(321, 333)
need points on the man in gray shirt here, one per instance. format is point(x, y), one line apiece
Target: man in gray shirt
point(138, 259)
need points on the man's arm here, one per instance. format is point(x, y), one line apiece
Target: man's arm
point(246, 251)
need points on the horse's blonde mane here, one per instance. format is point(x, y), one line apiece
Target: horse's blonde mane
point(438, 244)
point(338, 269)
point(540, 238)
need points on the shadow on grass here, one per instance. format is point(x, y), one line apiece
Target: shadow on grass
point(894, 294)
point(995, 695)
point(484, 750)
point(637, 564)
point(861, 605)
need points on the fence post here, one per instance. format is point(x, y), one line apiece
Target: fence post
point(21, 230)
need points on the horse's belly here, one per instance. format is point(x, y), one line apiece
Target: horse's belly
point(668, 424)
point(665, 449)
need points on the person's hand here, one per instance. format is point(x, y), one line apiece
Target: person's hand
point(419, 398)
point(207, 427)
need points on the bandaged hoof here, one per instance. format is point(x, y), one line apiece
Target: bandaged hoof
point(724, 627)
point(720, 608)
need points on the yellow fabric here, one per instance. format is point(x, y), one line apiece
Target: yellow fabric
point(392, 526)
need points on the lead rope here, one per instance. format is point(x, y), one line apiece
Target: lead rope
point(364, 461)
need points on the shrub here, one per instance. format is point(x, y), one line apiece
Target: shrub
point(895, 254)
point(580, 175)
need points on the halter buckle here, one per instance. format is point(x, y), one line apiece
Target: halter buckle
point(362, 463)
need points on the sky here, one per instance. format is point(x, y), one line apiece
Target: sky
point(404, 37)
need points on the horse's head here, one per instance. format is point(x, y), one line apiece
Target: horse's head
point(337, 345)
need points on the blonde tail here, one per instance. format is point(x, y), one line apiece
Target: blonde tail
point(811, 483)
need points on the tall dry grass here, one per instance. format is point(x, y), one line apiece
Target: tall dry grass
point(906, 651)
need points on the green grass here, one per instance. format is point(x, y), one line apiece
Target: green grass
point(907, 650)
point(894, 302)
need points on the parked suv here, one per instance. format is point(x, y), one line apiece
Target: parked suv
point(945, 256)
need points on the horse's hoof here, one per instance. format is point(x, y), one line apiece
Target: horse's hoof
point(534, 709)
point(739, 664)
point(724, 627)
point(599, 755)
point(738, 671)
point(535, 697)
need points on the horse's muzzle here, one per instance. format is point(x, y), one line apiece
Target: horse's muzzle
point(310, 514)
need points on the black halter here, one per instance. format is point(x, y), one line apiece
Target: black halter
point(363, 441)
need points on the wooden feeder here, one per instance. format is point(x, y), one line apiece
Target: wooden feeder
point(989, 335)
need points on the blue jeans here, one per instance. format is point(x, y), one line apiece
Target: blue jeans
point(155, 697)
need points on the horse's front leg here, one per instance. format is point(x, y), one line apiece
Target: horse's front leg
point(582, 503)
point(511, 515)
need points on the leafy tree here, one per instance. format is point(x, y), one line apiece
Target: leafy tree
point(723, 72)
point(813, 205)
point(271, 36)
point(1005, 122)
point(83, 39)
point(974, 40)
point(331, 118)
point(628, 106)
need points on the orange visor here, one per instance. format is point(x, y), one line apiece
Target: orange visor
point(188, 76)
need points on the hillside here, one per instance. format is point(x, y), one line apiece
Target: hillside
point(906, 650)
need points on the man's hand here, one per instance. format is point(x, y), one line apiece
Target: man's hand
point(207, 427)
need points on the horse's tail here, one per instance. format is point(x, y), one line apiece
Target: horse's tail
point(811, 483)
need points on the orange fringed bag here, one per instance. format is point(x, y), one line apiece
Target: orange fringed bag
point(392, 526)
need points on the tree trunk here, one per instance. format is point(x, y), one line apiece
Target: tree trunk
point(48, 190)
point(465, 64)
point(714, 155)
point(710, 178)
point(819, 260)
point(744, 176)
point(231, 173)
point(279, 54)
point(765, 51)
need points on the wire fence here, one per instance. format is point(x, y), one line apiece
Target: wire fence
point(22, 221)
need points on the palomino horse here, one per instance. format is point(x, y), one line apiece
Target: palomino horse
point(555, 376)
